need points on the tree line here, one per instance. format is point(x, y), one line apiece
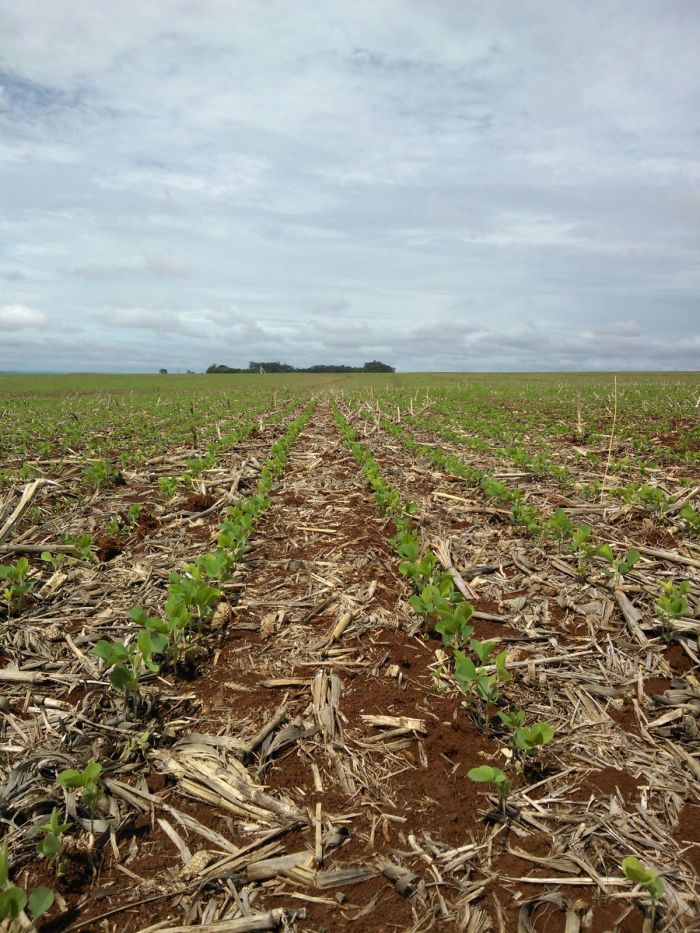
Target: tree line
point(374, 366)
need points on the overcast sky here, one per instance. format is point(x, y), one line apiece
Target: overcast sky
point(443, 186)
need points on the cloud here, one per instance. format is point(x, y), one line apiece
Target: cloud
point(20, 317)
point(173, 267)
point(161, 266)
point(619, 329)
point(336, 304)
point(474, 188)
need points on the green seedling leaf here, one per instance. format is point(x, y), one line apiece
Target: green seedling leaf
point(4, 873)
point(12, 902)
point(528, 738)
point(122, 679)
point(70, 778)
point(50, 846)
point(485, 774)
point(39, 901)
point(646, 878)
point(512, 720)
point(73, 778)
point(482, 649)
point(502, 672)
point(111, 652)
point(631, 558)
point(145, 645)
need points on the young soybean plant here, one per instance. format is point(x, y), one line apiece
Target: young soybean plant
point(618, 568)
point(559, 525)
point(126, 663)
point(19, 585)
point(672, 604)
point(50, 845)
point(691, 519)
point(527, 739)
point(14, 900)
point(488, 774)
point(473, 678)
point(88, 781)
point(454, 626)
point(646, 878)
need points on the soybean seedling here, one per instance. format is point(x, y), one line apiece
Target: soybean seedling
point(672, 604)
point(14, 900)
point(166, 634)
point(526, 515)
point(57, 560)
point(527, 739)
point(645, 877)
point(559, 525)
point(113, 526)
point(98, 473)
point(420, 571)
point(19, 585)
point(487, 774)
point(51, 845)
point(82, 545)
point(618, 568)
point(434, 596)
point(126, 663)
point(193, 594)
point(453, 626)
point(513, 720)
point(691, 518)
point(87, 780)
point(653, 498)
point(132, 514)
point(168, 486)
point(581, 546)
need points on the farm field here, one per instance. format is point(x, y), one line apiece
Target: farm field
point(350, 652)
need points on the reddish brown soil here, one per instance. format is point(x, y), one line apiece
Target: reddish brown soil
point(688, 834)
point(146, 523)
point(198, 502)
point(656, 685)
point(678, 659)
point(107, 547)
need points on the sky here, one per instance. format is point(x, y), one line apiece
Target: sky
point(454, 185)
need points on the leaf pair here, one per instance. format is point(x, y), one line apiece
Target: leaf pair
point(13, 900)
point(644, 877)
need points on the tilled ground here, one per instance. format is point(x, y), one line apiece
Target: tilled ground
point(316, 762)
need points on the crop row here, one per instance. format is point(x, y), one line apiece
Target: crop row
point(521, 413)
point(194, 593)
point(478, 671)
point(591, 557)
point(115, 433)
point(19, 579)
point(647, 498)
point(154, 643)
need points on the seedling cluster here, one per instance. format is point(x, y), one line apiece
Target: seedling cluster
point(478, 670)
point(194, 592)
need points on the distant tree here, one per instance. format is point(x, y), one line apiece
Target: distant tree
point(163, 372)
point(329, 368)
point(376, 367)
point(274, 367)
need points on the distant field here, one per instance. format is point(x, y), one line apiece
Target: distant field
point(76, 383)
point(358, 634)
